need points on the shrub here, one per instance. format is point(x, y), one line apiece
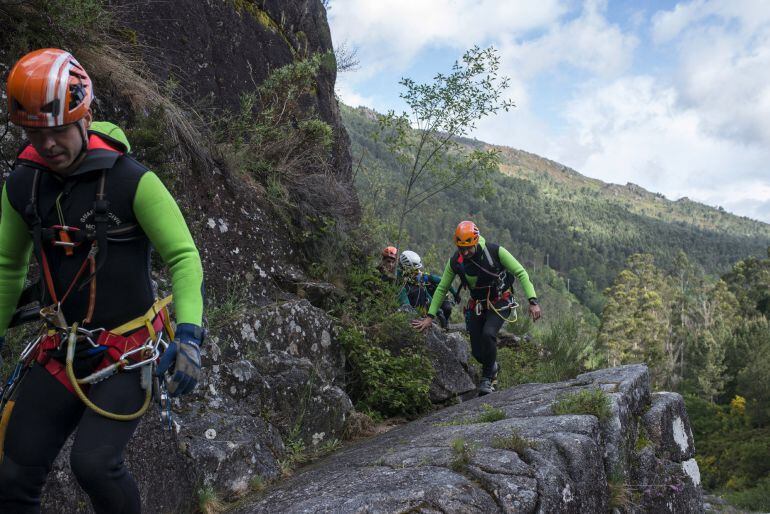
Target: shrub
point(588, 401)
point(390, 384)
point(567, 347)
point(756, 498)
point(561, 350)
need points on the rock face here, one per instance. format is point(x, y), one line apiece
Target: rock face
point(529, 461)
point(273, 368)
point(450, 355)
point(275, 378)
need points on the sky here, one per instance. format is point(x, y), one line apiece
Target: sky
point(672, 96)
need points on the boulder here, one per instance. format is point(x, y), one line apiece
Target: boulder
point(668, 426)
point(450, 355)
point(522, 459)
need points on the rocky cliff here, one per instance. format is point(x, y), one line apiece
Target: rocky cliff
point(509, 452)
point(168, 72)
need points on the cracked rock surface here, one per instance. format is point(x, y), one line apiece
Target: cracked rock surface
point(450, 462)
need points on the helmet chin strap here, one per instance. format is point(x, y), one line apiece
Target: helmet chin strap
point(83, 137)
point(83, 146)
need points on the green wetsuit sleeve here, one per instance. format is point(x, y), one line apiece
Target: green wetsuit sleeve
point(441, 289)
point(15, 249)
point(162, 221)
point(437, 280)
point(512, 265)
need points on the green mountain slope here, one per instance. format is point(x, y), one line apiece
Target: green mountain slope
point(547, 213)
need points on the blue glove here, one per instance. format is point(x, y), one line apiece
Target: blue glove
point(185, 354)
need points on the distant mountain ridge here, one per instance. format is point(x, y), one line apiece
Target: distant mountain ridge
point(635, 197)
point(548, 213)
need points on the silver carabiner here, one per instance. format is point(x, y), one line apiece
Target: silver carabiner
point(88, 335)
point(147, 346)
point(30, 348)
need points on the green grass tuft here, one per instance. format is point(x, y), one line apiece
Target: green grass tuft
point(463, 453)
point(588, 401)
point(209, 501)
point(489, 414)
point(514, 442)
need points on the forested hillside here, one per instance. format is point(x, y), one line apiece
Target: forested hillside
point(547, 213)
point(677, 285)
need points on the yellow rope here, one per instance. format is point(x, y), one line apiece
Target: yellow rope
point(79, 392)
point(515, 315)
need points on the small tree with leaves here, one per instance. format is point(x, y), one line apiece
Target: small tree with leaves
point(425, 142)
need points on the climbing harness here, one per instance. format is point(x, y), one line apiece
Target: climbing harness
point(133, 345)
point(503, 286)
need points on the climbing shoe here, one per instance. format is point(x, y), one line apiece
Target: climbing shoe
point(488, 384)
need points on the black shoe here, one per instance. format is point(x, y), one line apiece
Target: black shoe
point(489, 384)
point(486, 386)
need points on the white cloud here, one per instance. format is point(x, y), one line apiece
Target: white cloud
point(518, 128)
point(588, 42)
point(749, 14)
point(346, 92)
point(390, 34)
point(669, 24)
point(635, 130)
point(723, 52)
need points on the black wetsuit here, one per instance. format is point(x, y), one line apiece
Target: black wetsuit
point(138, 210)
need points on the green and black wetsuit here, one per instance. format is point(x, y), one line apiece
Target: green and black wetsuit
point(488, 274)
point(141, 215)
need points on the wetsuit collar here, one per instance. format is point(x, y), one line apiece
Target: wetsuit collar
point(101, 155)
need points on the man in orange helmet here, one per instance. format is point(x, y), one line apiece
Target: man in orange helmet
point(91, 214)
point(387, 265)
point(488, 271)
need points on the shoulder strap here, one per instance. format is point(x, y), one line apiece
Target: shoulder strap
point(101, 220)
point(489, 257)
point(456, 264)
point(33, 218)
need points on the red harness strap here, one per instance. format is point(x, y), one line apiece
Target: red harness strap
point(116, 345)
point(472, 302)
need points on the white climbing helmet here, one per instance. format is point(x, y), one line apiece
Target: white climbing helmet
point(410, 259)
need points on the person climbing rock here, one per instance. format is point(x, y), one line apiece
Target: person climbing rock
point(417, 287)
point(413, 294)
point(387, 265)
point(488, 271)
point(91, 214)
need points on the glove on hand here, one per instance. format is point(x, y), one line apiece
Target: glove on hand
point(185, 354)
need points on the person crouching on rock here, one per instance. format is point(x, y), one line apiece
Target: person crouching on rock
point(488, 271)
point(91, 214)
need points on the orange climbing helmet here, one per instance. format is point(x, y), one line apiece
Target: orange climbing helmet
point(390, 252)
point(466, 234)
point(48, 88)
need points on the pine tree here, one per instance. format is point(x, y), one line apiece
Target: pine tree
point(635, 320)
